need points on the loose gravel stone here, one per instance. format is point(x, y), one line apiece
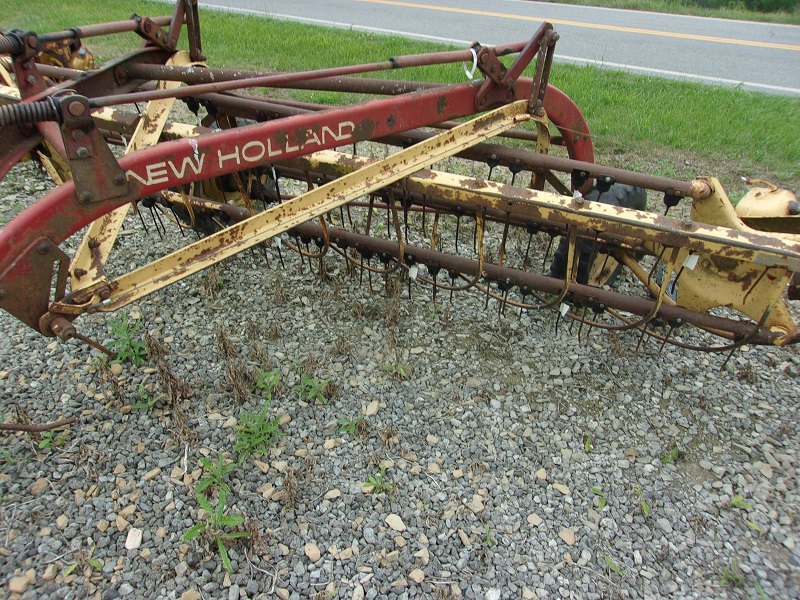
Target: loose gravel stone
point(493, 454)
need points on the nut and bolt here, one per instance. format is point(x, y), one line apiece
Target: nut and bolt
point(687, 222)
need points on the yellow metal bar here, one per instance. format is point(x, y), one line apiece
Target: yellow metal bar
point(318, 201)
point(740, 242)
point(88, 264)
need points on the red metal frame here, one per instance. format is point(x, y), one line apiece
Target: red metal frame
point(29, 244)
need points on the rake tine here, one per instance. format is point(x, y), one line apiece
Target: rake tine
point(580, 326)
point(547, 252)
point(141, 218)
point(156, 222)
point(177, 220)
point(280, 254)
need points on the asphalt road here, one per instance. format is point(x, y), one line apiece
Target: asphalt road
point(756, 56)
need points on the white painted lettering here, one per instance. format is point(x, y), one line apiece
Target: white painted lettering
point(291, 148)
point(253, 151)
point(194, 163)
point(232, 156)
point(312, 137)
point(157, 173)
point(132, 175)
point(272, 152)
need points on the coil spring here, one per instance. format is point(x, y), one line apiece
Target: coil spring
point(28, 113)
point(9, 44)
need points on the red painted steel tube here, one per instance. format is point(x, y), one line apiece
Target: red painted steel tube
point(58, 215)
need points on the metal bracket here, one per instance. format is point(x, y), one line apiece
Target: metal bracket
point(153, 33)
point(500, 86)
point(29, 80)
point(95, 170)
point(25, 285)
point(186, 12)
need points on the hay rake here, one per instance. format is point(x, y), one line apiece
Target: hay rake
point(260, 169)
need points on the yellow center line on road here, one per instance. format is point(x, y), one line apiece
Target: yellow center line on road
point(654, 32)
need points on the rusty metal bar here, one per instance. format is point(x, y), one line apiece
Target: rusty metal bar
point(86, 31)
point(543, 283)
point(283, 79)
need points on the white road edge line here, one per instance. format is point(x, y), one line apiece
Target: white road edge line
point(679, 75)
point(568, 59)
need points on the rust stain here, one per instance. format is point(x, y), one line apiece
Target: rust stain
point(441, 105)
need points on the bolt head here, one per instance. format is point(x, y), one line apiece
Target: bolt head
point(43, 248)
point(82, 152)
point(30, 80)
point(86, 197)
point(119, 179)
point(76, 109)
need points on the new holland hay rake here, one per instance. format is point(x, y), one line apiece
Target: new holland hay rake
point(260, 168)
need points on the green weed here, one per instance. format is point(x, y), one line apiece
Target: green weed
point(672, 456)
point(145, 400)
point(398, 371)
point(7, 458)
point(84, 560)
point(613, 567)
point(125, 343)
point(740, 502)
point(266, 381)
point(50, 439)
point(378, 483)
point(214, 526)
point(257, 433)
point(600, 497)
point(753, 525)
point(732, 576)
point(352, 425)
point(215, 471)
point(643, 505)
point(311, 389)
point(488, 537)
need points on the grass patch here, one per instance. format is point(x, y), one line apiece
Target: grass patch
point(691, 129)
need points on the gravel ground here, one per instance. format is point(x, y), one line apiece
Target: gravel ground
point(509, 457)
